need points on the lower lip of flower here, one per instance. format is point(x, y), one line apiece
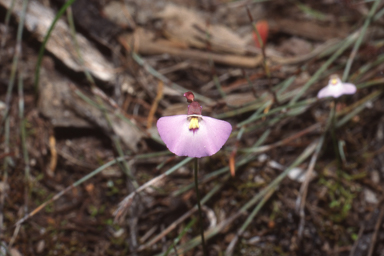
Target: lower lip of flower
point(194, 122)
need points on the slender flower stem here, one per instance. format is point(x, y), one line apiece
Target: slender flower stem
point(199, 207)
point(333, 134)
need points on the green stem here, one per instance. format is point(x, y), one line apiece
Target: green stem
point(360, 39)
point(42, 47)
point(199, 207)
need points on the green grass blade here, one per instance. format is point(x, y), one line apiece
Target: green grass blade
point(360, 39)
point(46, 38)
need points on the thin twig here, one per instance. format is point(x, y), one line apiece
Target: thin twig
point(166, 81)
point(64, 191)
point(23, 142)
point(179, 220)
point(333, 135)
point(240, 232)
point(173, 246)
point(304, 187)
point(127, 201)
point(283, 141)
point(201, 222)
point(14, 235)
point(361, 231)
point(376, 231)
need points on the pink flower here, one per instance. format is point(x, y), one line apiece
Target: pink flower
point(336, 88)
point(193, 135)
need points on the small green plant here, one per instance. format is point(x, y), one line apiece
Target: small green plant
point(340, 198)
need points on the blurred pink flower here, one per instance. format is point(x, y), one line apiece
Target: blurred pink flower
point(193, 135)
point(336, 88)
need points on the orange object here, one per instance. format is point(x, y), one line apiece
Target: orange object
point(263, 28)
point(232, 163)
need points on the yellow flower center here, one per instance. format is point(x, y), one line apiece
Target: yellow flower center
point(334, 81)
point(194, 123)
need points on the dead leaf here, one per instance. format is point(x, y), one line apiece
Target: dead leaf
point(295, 46)
point(189, 27)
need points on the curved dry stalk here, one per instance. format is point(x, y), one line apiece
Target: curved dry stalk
point(300, 202)
point(64, 191)
point(377, 228)
point(240, 232)
point(179, 220)
point(201, 222)
point(127, 201)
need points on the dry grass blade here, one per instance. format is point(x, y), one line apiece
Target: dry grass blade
point(127, 201)
point(377, 228)
point(240, 232)
point(46, 38)
point(23, 136)
point(64, 191)
point(166, 81)
point(155, 103)
point(284, 141)
point(179, 220)
point(301, 199)
point(372, 97)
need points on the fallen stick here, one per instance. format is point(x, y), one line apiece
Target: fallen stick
point(142, 43)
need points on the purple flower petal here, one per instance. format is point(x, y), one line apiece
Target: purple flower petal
point(349, 88)
point(205, 141)
point(336, 90)
point(325, 92)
